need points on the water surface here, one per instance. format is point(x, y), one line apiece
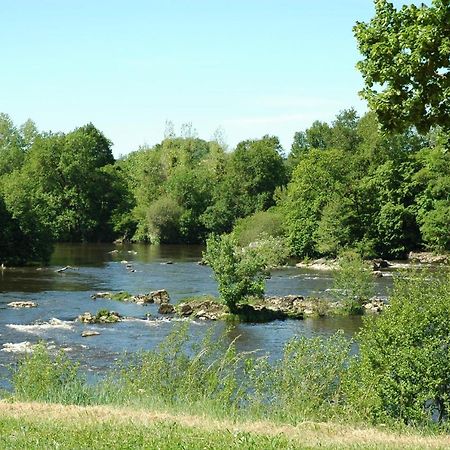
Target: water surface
point(139, 269)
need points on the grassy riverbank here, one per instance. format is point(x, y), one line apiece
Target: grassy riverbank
point(51, 426)
point(395, 388)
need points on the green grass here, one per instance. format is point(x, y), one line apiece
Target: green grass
point(42, 434)
point(53, 426)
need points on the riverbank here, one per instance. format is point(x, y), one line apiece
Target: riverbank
point(27, 425)
point(414, 260)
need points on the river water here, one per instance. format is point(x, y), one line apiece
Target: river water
point(103, 267)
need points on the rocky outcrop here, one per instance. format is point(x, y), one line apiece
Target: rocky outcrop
point(297, 306)
point(103, 316)
point(266, 309)
point(375, 305)
point(428, 258)
point(166, 308)
point(22, 304)
point(202, 309)
point(159, 297)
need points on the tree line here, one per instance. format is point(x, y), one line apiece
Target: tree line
point(343, 185)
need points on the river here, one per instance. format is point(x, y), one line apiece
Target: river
point(98, 267)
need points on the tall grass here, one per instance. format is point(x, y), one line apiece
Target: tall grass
point(204, 377)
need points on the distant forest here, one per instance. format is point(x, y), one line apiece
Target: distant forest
point(342, 185)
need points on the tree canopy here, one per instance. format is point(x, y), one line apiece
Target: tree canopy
point(406, 65)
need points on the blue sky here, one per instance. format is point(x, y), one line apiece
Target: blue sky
point(249, 67)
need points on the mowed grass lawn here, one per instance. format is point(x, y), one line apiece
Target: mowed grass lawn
point(50, 426)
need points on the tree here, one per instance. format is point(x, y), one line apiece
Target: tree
point(433, 199)
point(23, 238)
point(11, 151)
point(319, 176)
point(353, 282)
point(240, 271)
point(64, 186)
point(406, 65)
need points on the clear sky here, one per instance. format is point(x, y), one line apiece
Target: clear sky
point(250, 67)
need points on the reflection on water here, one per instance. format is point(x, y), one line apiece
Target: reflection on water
point(137, 269)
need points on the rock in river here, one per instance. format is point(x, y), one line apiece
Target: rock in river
point(166, 308)
point(87, 333)
point(22, 304)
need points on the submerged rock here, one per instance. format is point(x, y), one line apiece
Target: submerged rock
point(22, 304)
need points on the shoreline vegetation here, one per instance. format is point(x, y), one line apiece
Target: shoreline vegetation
point(314, 380)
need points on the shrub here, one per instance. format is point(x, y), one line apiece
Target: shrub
point(257, 226)
point(240, 272)
point(403, 370)
point(353, 281)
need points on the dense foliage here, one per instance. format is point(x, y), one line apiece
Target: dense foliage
point(403, 371)
point(343, 185)
point(406, 65)
point(240, 271)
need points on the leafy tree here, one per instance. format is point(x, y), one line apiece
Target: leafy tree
point(406, 65)
point(336, 229)
point(436, 225)
point(11, 151)
point(256, 170)
point(344, 133)
point(319, 135)
point(63, 184)
point(22, 238)
point(252, 174)
point(353, 281)
point(433, 199)
point(240, 271)
point(317, 177)
point(186, 170)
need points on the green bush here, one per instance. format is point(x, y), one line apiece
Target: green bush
point(436, 225)
point(305, 383)
point(257, 226)
point(353, 281)
point(240, 271)
point(403, 369)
